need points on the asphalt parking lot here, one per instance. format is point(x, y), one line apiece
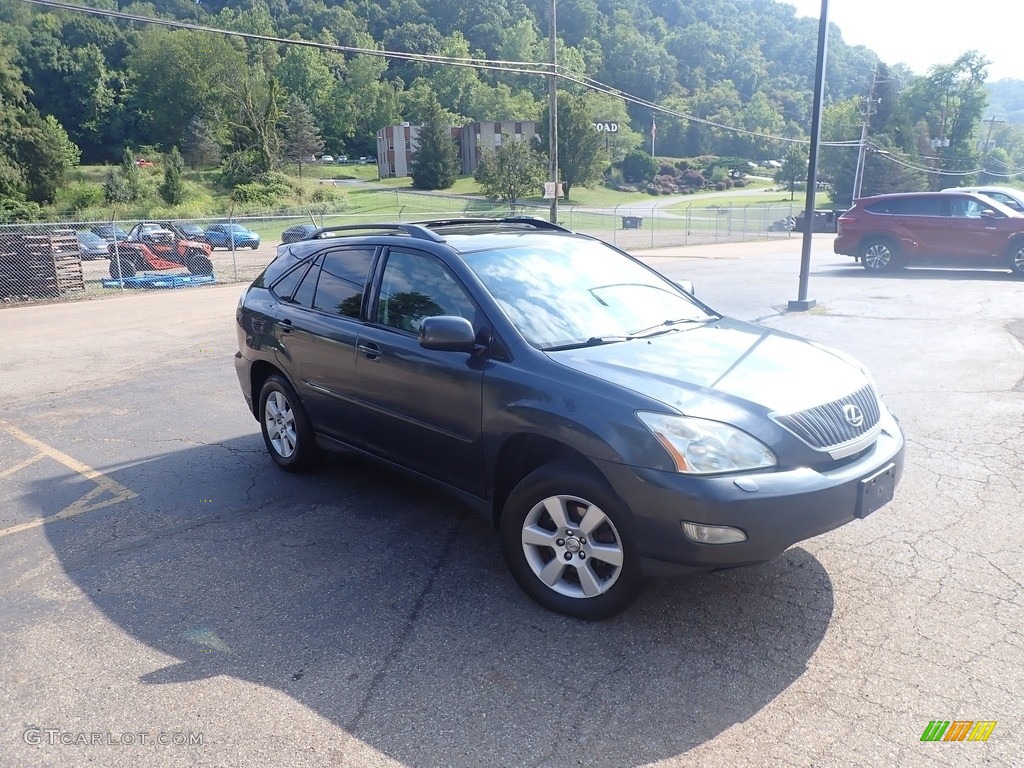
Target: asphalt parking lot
point(169, 598)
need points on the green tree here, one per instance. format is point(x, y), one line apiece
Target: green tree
point(131, 173)
point(435, 163)
point(581, 155)
point(179, 74)
point(950, 100)
point(301, 136)
point(173, 188)
point(115, 188)
point(202, 148)
point(793, 170)
point(258, 119)
point(46, 155)
point(511, 171)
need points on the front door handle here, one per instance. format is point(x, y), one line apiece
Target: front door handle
point(286, 326)
point(371, 351)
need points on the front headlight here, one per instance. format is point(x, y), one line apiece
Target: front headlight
point(702, 447)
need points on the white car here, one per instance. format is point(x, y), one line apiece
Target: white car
point(1008, 196)
point(327, 159)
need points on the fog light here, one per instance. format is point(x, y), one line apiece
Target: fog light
point(713, 534)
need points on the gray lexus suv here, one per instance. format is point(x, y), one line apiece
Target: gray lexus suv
point(609, 424)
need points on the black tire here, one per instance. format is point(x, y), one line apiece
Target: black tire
point(255, 246)
point(286, 429)
point(602, 558)
point(1016, 257)
point(879, 254)
point(126, 268)
point(198, 264)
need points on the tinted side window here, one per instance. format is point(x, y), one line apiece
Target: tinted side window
point(285, 285)
point(929, 205)
point(415, 286)
point(342, 282)
point(304, 293)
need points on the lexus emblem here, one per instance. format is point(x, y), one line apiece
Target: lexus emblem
point(853, 415)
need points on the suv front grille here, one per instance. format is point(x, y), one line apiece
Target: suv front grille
point(827, 426)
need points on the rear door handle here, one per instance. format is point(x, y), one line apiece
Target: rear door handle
point(371, 351)
point(286, 326)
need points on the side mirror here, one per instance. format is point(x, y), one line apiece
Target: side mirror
point(447, 333)
point(687, 286)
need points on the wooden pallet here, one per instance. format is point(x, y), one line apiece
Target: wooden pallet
point(40, 265)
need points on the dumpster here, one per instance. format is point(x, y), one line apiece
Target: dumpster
point(632, 222)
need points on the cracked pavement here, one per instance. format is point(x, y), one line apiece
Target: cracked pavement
point(352, 617)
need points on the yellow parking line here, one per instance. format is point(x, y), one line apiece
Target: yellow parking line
point(26, 463)
point(87, 503)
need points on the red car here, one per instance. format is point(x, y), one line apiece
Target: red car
point(935, 228)
point(152, 246)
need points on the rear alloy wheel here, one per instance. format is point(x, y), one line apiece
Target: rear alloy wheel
point(878, 255)
point(568, 544)
point(1017, 258)
point(286, 429)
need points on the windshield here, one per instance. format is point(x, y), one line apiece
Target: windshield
point(561, 291)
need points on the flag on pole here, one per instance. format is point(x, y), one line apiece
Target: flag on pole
point(654, 127)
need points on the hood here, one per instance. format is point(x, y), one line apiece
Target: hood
point(780, 372)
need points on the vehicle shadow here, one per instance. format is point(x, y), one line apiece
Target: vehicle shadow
point(386, 608)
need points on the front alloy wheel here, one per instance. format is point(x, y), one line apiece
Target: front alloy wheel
point(576, 559)
point(568, 543)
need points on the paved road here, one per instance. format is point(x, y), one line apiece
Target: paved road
point(191, 592)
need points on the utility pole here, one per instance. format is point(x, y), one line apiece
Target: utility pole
point(553, 115)
point(858, 176)
point(802, 303)
point(987, 146)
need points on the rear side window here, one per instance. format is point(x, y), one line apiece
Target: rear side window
point(284, 287)
point(927, 205)
point(278, 267)
point(342, 282)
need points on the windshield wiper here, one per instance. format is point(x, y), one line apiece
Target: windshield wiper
point(593, 341)
point(669, 325)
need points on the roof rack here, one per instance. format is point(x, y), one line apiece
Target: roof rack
point(536, 223)
point(410, 230)
point(423, 230)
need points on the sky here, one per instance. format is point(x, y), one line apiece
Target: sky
point(922, 33)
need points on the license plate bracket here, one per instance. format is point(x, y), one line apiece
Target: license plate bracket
point(875, 491)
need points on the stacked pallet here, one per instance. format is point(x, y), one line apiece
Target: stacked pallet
point(45, 265)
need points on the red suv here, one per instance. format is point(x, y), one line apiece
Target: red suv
point(938, 228)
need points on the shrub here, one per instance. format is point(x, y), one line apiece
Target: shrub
point(692, 178)
point(77, 196)
point(326, 195)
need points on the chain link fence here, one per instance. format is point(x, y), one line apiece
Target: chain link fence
point(72, 259)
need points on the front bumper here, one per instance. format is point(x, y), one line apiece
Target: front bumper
point(774, 509)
